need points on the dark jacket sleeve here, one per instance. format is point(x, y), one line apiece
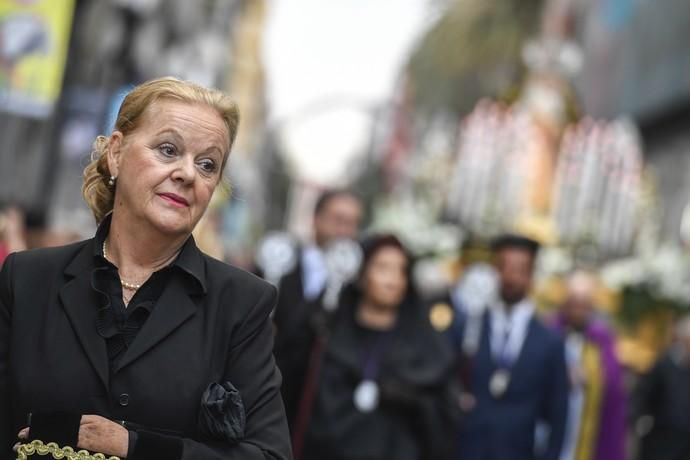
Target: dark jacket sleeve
point(251, 368)
point(555, 412)
point(6, 435)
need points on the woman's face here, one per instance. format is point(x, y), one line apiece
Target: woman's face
point(169, 166)
point(385, 278)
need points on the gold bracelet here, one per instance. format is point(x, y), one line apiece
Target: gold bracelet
point(24, 451)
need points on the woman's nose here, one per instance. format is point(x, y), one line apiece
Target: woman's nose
point(184, 170)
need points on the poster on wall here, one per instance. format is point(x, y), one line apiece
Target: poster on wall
point(34, 39)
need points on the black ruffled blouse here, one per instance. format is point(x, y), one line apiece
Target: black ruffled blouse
point(118, 323)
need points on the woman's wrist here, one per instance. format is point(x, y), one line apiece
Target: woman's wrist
point(150, 445)
point(133, 436)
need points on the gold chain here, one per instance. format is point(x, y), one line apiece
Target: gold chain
point(24, 451)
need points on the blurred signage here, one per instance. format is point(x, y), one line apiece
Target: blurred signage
point(34, 39)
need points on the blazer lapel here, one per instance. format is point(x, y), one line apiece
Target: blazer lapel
point(173, 308)
point(485, 353)
point(81, 304)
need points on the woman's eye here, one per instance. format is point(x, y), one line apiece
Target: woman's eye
point(167, 149)
point(207, 166)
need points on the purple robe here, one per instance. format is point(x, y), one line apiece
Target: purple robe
point(611, 436)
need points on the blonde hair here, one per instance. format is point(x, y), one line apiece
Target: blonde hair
point(99, 196)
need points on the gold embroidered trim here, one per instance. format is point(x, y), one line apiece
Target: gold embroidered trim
point(24, 451)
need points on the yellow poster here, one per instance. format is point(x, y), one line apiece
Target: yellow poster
point(34, 38)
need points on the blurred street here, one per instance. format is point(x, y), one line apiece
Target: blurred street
point(460, 202)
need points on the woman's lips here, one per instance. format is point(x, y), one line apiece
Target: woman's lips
point(175, 200)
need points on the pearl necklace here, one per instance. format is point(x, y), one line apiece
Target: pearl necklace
point(125, 284)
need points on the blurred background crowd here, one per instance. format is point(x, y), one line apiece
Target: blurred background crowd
point(424, 130)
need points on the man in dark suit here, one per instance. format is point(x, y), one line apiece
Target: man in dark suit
point(337, 214)
point(661, 402)
point(516, 381)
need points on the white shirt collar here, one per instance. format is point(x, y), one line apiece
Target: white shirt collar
point(520, 313)
point(510, 326)
point(314, 271)
point(312, 254)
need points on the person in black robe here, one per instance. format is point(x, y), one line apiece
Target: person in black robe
point(379, 382)
point(661, 402)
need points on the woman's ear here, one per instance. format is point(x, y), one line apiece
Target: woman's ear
point(114, 153)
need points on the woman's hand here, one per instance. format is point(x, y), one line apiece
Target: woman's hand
point(97, 434)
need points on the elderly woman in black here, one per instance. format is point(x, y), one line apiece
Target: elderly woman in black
point(381, 387)
point(135, 344)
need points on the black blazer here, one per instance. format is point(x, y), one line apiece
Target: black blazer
point(52, 358)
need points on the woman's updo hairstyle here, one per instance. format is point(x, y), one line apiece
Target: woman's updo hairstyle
point(98, 194)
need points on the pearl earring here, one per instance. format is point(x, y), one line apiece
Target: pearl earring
point(111, 182)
